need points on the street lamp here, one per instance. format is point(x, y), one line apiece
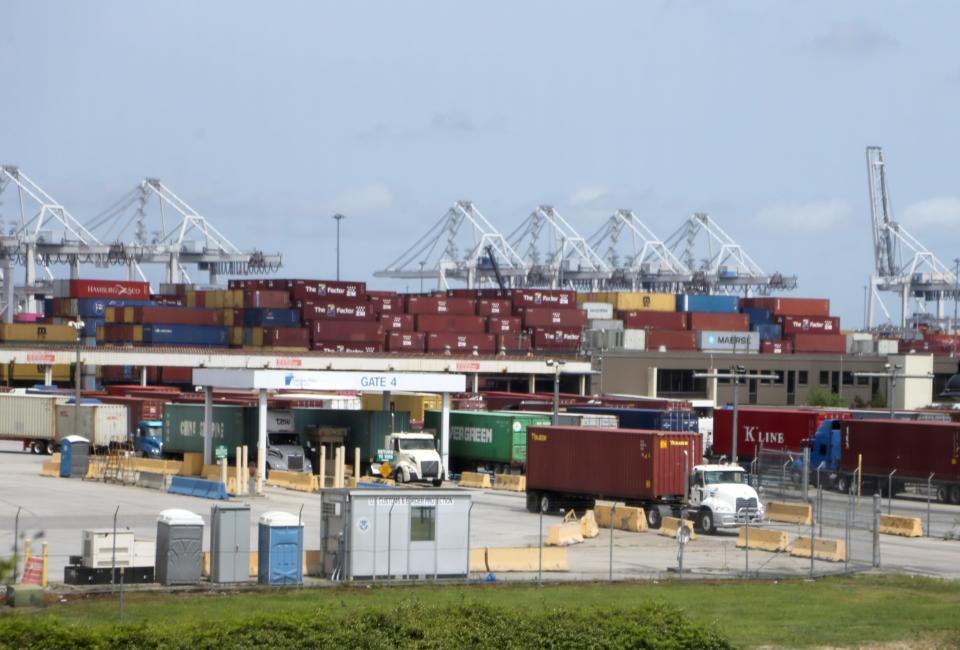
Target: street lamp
point(737, 373)
point(77, 325)
point(338, 217)
point(956, 291)
point(557, 366)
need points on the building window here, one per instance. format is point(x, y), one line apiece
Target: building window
point(847, 378)
point(824, 377)
point(680, 382)
point(423, 523)
point(863, 381)
point(802, 377)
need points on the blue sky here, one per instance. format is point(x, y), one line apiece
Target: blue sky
point(270, 117)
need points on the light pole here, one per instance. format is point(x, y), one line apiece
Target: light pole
point(956, 291)
point(557, 365)
point(338, 217)
point(737, 372)
point(77, 325)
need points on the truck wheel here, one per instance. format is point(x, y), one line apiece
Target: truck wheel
point(955, 494)
point(843, 483)
point(546, 503)
point(437, 482)
point(943, 494)
point(398, 476)
point(707, 524)
point(533, 499)
point(653, 518)
point(33, 447)
point(43, 448)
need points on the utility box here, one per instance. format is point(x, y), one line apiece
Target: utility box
point(230, 543)
point(100, 552)
point(280, 548)
point(179, 547)
point(369, 533)
point(74, 456)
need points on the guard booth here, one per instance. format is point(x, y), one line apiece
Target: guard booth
point(74, 456)
point(179, 547)
point(370, 533)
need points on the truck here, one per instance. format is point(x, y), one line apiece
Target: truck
point(146, 439)
point(104, 425)
point(914, 448)
point(30, 420)
point(413, 457)
point(367, 430)
point(484, 440)
point(659, 471)
point(766, 428)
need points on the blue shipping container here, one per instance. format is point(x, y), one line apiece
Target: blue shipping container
point(271, 317)
point(185, 335)
point(97, 307)
point(648, 419)
point(768, 332)
point(712, 304)
point(90, 325)
point(758, 315)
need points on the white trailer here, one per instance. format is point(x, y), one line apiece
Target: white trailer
point(104, 425)
point(30, 419)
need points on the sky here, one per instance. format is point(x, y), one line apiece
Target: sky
point(269, 117)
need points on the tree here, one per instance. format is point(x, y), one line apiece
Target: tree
point(820, 396)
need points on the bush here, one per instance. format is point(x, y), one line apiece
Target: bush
point(410, 625)
point(820, 396)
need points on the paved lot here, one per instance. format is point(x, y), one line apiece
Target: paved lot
point(58, 509)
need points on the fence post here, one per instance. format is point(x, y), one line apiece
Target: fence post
point(805, 479)
point(613, 512)
point(16, 542)
point(890, 492)
point(540, 553)
point(469, 517)
point(929, 495)
point(876, 530)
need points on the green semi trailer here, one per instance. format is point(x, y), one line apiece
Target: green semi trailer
point(183, 429)
point(494, 440)
point(365, 429)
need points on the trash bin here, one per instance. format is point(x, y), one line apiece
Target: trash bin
point(281, 549)
point(74, 456)
point(179, 547)
point(230, 543)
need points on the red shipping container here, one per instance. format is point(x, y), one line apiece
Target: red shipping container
point(479, 293)
point(435, 305)
point(556, 338)
point(303, 289)
point(914, 448)
point(701, 321)
point(542, 317)
point(292, 337)
point(663, 320)
point(347, 347)
point(358, 311)
point(176, 316)
point(367, 332)
point(776, 347)
point(514, 343)
point(386, 304)
point(819, 343)
point(814, 325)
point(504, 325)
point(402, 322)
point(444, 323)
point(104, 289)
point(769, 428)
point(406, 342)
point(554, 299)
point(266, 298)
point(810, 307)
point(461, 343)
point(176, 375)
point(673, 341)
point(493, 307)
point(139, 409)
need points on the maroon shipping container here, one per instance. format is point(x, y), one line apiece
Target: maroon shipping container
point(347, 347)
point(461, 343)
point(445, 323)
point(104, 289)
point(292, 337)
point(402, 322)
point(672, 340)
point(340, 310)
point(323, 289)
point(504, 325)
point(545, 317)
point(554, 299)
point(515, 343)
point(557, 338)
point(816, 307)
point(176, 316)
point(661, 320)
point(699, 321)
point(406, 342)
point(769, 428)
point(266, 298)
point(493, 307)
point(819, 343)
point(776, 347)
point(386, 304)
point(610, 463)
point(117, 333)
point(363, 331)
point(914, 448)
point(441, 305)
point(479, 293)
point(177, 375)
point(814, 325)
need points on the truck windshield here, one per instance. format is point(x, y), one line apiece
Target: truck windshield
point(285, 439)
point(150, 431)
point(408, 444)
point(720, 476)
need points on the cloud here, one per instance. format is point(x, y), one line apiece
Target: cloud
point(851, 37)
point(452, 122)
point(586, 195)
point(366, 199)
point(941, 212)
point(809, 217)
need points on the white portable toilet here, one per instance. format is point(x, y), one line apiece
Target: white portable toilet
point(179, 547)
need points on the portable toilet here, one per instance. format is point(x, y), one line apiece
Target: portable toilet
point(74, 456)
point(280, 549)
point(179, 547)
point(230, 543)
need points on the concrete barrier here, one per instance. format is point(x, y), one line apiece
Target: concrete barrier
point(474, 480)
point(902, 526)
point(478, 560)
point(831, 550)
point(588, 525)
point(790, 513)
point(50, 468)
point(197, 487)
point(510, 482)
point(294, 481)
point(192, 464)
point(763, 539)
point(526, 559)
point(374, 480)
point(564, 534)
point(151, 480)
point(627, 518)
point(670, 525)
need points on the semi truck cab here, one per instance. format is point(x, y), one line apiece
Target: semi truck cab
point(147, 439)
point(286, 454)
point(415, 458)
point(824, 448)
point(722, 498)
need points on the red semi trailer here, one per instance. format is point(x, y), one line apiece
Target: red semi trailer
point(771, 428)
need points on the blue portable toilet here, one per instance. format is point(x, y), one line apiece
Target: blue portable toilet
point(74, 456)
point(280, 549)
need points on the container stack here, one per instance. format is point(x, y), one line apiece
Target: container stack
point(795, 325)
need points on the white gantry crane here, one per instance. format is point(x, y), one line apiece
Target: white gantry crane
point(461, 246)
point(901, 263)
point(183, 237)
point(638, 259)
point(555, 254)
point(718, 263)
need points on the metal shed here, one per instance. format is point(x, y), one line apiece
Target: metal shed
point(230, 543)
point(369, 533)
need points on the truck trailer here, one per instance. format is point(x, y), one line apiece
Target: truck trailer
point(30, 420)
point(766, 428)
point(487, 440)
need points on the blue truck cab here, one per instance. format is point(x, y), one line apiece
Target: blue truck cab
point(147, 439)
point(824, 448)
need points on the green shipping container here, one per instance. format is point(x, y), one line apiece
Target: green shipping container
point(367, 429)
point(492, 437)
point(183, 429)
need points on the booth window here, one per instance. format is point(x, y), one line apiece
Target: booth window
point(423, 523)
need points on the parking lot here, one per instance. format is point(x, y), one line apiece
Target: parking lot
point(56, 510)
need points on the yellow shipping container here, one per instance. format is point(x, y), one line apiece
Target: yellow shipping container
point(415, 403)
point(638, 301)
point(191, 299)
point(34, 333)
point(127, 315)
point(236, 337)
point(22, 372)
point(226, 316)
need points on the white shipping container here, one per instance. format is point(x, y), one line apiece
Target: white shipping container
point(597, 310)
point(101, 424)
point(634, 339)
point(716, 341)
point(887, 346)
point(605, 324)
point(32, 417)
